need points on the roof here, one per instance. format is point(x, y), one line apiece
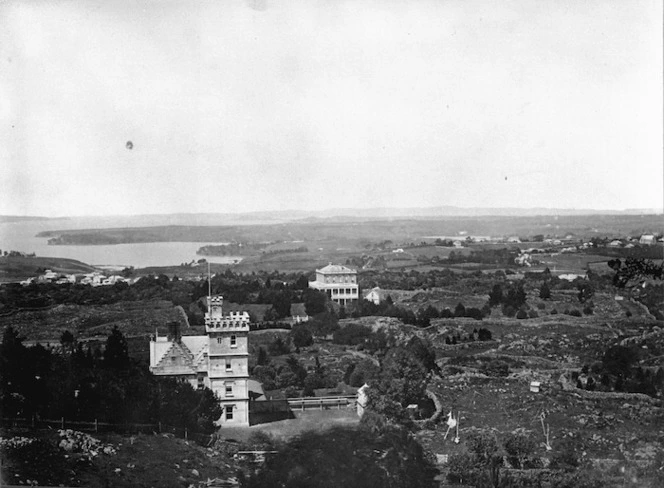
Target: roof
point(298, 309)
point(336, 268)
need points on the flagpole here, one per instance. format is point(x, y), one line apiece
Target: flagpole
point(209, 281)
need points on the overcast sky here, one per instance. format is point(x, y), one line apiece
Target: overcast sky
point(262, 105)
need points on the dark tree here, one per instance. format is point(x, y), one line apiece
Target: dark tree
point(496, 295)
point(315, 301)
point(116, 352)
point(301, 336)
point(389, 457)
point(459, 310)
point(544, 291)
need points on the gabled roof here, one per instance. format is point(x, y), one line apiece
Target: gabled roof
point(336, 268)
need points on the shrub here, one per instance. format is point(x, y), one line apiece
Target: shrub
point(541, 306)
point(522, 314)
point(509, 311)
point(533, 314)
point(554, 311)
point(352, 335)
point(484, 334)
point(520, 447)
point(496, 368)
point(575, 313)
point(588, 310)
point(462, 468)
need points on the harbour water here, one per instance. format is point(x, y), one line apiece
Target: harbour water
point(21, 236)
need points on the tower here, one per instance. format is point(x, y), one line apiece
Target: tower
point(228, 361)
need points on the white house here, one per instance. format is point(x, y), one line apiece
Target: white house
point(647, 239)
point(373, 296)
point(339, 282)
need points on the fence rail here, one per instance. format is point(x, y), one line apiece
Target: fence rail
point(95, 426)
point(322, 402)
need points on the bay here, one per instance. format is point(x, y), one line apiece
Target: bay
point(21, 236)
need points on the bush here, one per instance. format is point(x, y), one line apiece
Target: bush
point(301, 336)
point(496, 368)
point(541, 306)
point(351, 335)
point(554, 311)
point(533, 314)
point(588, 310)
point(522, 314)
point(462, 468)
point(484, 334)
point(575, 313)
point(509, 311)
point(520, 447)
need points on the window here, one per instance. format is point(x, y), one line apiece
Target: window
point(233, 341)
point(201, 380)
point(218, 340)
point(229, 365)
point(229, 389)
point(229, 412)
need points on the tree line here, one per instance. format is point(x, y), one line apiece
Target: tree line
point(102, 384)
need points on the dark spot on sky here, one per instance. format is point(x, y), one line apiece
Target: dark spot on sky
point(130, 145)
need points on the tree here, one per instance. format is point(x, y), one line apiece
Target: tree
point(263, 358)
point(544, 291)
point(586, 291)
point(281, 303)
point(520, 447)
point(459, 310)
point(364, 457)
point(496, 295)
point(67, 341)
point(116, 353)
point(301, 336)
point(315, 301)
point(402, 380)
point(278, 347)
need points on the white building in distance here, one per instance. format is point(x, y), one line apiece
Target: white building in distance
point(339, 282)
point(218, 360)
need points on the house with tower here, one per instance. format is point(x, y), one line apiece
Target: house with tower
point(218, 360)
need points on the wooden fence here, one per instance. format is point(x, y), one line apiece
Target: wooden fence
point(323, 403)
point(97, 427)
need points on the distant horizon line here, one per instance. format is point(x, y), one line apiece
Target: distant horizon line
point(384, 212)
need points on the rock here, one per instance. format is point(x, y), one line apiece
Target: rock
point(195, 472)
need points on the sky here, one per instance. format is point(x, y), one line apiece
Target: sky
point(152, 107)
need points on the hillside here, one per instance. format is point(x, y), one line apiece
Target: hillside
point(15, 268)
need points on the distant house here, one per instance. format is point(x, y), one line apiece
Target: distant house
point(457, 244)
point(298, 313)
point(647, 239)
point(373, 296)
point(514, 240)
point(571, 276)
point(339, 282)
point(615, 243)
